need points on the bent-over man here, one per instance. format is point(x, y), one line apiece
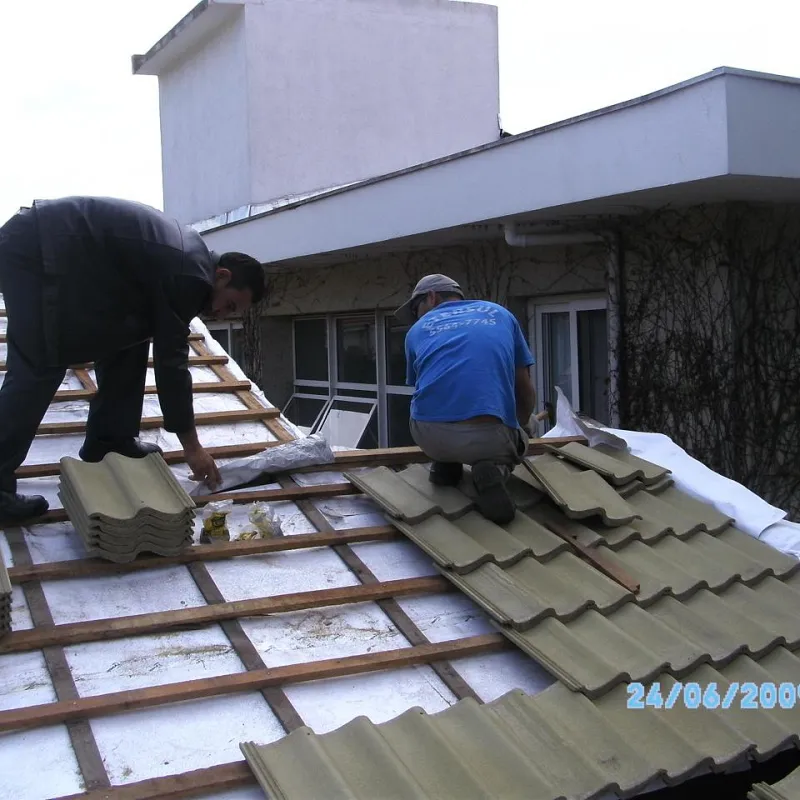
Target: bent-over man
point(95, 279)
point(468, 363)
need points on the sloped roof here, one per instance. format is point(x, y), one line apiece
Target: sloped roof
point(713, 606)
point(146, 676)
point(112, 668)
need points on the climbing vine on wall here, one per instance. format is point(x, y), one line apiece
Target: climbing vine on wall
point(711, 339)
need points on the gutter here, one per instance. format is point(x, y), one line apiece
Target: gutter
point(516, 239)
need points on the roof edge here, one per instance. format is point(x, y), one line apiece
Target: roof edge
point(159, 55)
point(507, 140)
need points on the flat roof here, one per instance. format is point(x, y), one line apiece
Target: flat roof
point(726, 134)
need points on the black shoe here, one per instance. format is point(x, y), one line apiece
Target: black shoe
point(15, 508)
point(97, 449)
point(446, 474)
point(493, 499)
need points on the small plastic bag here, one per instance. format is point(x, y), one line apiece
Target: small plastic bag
point(263, 517)
point(215, 522)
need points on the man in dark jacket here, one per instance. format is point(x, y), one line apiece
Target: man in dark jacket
point(95, 279)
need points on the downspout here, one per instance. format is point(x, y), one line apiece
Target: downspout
point(615, 272)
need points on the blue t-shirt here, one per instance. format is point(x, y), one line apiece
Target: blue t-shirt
point(461, 358)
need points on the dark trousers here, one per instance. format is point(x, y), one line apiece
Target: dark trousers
point(115, 412)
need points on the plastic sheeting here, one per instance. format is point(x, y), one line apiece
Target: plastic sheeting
point(309, 452)
point(752, 514)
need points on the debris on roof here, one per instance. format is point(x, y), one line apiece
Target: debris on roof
point(122, 507)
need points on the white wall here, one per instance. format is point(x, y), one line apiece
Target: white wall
point(343, 90)
point(204, 130)
point(296, 95)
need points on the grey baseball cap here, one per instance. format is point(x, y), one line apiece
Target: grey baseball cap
point(430, 283)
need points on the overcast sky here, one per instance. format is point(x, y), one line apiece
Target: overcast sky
point(74, 120)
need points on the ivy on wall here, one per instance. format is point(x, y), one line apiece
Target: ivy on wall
point(711, 339)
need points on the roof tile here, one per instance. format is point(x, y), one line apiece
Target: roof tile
point(786, 789)
point(616, 471)
point(581, 494)
point(398, 498)
point(553, 745)
point(452, 502)
point(446, 543)
point(529, 591)
point(651, 473)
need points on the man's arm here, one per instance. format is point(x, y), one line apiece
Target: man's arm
point(525, 395)
point(173, 379)
point(524, 392)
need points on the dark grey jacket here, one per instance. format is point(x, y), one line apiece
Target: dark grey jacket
point(115, 273)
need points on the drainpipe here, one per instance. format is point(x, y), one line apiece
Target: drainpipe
point(516, 239)
point(615, 280)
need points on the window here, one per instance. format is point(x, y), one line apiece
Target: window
point(570, 342)
point(349, 380)
point(395, 352)
point(311, 349)
point(304, 410)
point(355, 350)
point(350, 423)
point(230, 335)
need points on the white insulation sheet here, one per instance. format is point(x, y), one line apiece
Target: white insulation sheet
point(177, 738)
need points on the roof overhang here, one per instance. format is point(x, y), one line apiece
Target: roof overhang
point(196, 27)
point(726, 135)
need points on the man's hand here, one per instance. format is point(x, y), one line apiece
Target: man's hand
point(203, 466)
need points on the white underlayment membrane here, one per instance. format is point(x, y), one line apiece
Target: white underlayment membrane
point(177, 738)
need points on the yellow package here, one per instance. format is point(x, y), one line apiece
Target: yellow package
point(215, 522)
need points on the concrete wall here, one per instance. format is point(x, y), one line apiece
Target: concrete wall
point(342, 90)
point(297, 95)
point(489, 270)
point(204, 130)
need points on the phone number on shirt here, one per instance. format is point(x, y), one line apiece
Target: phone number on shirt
point(695, 695)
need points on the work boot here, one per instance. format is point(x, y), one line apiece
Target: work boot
point(16, 508)
point(493, 499)
point(445, 474)
point(97, 449)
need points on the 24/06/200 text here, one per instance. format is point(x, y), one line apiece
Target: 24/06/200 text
point(765, 695)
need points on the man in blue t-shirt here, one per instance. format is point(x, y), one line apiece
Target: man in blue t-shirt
point(468, 363)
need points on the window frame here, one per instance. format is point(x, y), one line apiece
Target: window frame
point(229, 327)
point(571, 304)
point(365, 401)
point(339, 390)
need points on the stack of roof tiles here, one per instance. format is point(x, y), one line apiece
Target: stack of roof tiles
point(122, 507)
point(714, 606)
point(5, 599)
